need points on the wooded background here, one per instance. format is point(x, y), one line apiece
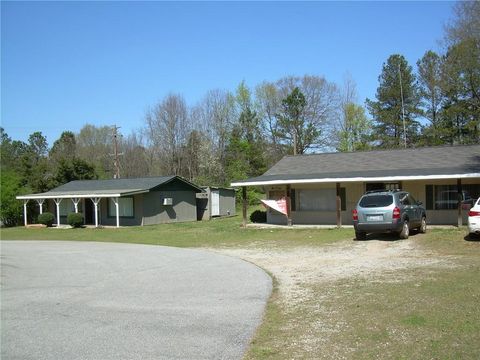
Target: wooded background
point(234, 135)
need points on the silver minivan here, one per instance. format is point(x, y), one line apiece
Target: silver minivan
point(394, 211)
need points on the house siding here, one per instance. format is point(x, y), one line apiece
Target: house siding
point(124, 221)
point(353, 192)
point(227, 202)
point(183, 209)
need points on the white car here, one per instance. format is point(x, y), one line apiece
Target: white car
point(474, 218)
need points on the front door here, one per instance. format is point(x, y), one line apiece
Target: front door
point(89, 212)
point(215, 202)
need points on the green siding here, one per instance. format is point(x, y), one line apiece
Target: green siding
point(183, 209)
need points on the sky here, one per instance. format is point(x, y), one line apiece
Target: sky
point(66, 64)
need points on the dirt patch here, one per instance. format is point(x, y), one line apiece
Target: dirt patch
point(373, 260)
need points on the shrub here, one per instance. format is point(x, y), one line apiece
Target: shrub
point(75, 219)
point(10, 208)
point(46, 218)
point(258, 216)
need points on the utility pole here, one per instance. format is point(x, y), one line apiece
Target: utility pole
point(295, 142)
point(116, 163)
point(403, 108)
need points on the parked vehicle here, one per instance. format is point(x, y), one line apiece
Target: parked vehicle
point(394, 211)
point(474, 218)
point(449, 199)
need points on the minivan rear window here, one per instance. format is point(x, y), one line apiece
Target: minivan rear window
point(376, 201)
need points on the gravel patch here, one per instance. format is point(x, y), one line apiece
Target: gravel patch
point(373, 260)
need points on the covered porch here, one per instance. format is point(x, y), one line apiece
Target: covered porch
point(90, 203)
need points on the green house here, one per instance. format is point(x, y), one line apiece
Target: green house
point(121, 202)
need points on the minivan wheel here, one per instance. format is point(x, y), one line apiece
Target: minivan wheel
point(423, 225)
point(360, 235)
point(405, 230)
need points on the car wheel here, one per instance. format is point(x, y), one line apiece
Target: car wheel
point(405, 230)
point(423, 225)
point(360, 235)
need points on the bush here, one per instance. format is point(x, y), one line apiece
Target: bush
point(258, 216)
point(75, 219)
point(11, 210)
point(46, 218)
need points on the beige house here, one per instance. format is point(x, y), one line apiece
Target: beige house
point(324, 188)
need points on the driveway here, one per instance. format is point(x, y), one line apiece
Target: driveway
point(87, 300)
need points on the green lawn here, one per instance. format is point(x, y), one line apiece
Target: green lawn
point(426, 313)
point(225, 232)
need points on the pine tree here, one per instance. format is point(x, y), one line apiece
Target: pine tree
point(293, 124)
point(396, 79)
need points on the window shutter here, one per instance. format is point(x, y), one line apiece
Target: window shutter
point(429, 197)
point(292, 200)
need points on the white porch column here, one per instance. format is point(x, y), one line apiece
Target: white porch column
point(117, 213)
point(25, 202)
point(95, 204)
point(40, 204)
point(57, 202)
point(75, 203)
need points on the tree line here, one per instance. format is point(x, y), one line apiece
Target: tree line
point(233, 135)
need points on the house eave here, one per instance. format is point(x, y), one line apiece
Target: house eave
point(73, 194)
point(287, 181)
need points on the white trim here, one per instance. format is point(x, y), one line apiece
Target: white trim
point(117, 214)
point(82, 196)
point(75, 203)
point(25, 211)
point(96, 201)
point(40, 205)
point(356, 179)
point(57, 203)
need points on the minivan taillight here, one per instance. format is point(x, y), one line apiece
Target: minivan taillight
point(473, 213)
point(396, 213)
point(355, 214)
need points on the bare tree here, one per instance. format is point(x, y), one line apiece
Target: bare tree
point(322, 103)
point(166, 126)
point(134, 159)
point(94, 144)
point(268, 103)
point(215, 116)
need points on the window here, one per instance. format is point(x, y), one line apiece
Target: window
point(66, 207)
point(125, 207)
point(376, 201)
point(317, 200)
point(445, 197)
point(382, 186)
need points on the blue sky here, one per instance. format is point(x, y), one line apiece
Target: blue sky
point(65, 64)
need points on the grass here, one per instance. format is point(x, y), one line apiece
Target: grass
point(215, 233)
point(430, 313)
point(426, 313)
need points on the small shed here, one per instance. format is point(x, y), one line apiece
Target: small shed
point(215, 202)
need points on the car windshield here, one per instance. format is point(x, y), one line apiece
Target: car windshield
point(376, 201)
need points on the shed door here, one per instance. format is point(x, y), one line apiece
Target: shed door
point(215, 203)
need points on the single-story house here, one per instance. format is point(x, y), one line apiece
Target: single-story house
point(214, 202)
point(116, 202)
point(324, 188)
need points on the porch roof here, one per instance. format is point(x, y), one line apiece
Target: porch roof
point(107, 188)
point(81, 194)
point(444, 162)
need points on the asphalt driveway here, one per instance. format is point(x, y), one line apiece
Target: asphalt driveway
point(87, 300)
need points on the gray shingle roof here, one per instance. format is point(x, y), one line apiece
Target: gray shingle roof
point(114, 184)
point(427, 161)
point(110, 187)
